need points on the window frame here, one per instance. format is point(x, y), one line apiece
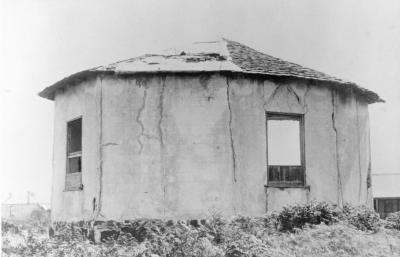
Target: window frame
point(302, 167)
point(73, 175)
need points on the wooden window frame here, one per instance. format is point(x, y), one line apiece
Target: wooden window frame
point(285, 170)
point(74, 178)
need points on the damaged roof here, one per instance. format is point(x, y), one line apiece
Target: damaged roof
point(213, 56)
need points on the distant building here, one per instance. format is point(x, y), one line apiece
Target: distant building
point(23, 211)
point(386, 192)
point(212, 126)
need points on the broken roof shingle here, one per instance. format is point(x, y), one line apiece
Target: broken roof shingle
point(250, 60)
point(215, 56)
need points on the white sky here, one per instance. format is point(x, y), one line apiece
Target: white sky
point(283, 142)
point(43, 41)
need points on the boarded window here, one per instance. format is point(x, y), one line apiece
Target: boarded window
point(285, 149)
point(74, 155)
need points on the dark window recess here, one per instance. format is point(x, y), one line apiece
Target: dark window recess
point(385, 206)
point(75, 136)
point(74, 164)
point(285, 175)
point(74, 155)
point(285, 150)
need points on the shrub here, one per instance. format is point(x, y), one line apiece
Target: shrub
point(7, 226)
point(393, 221)
point(241, 236)
point(297, 216)
point(143, 229)
point(362, 217)
point(251, 225)
point(40, 216)
point(243, 245)
point(271, 221)
point(215, 227)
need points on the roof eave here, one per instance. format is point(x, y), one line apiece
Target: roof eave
point(49, 92)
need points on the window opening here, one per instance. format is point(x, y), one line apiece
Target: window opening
point(285, 149)
point(74, 154)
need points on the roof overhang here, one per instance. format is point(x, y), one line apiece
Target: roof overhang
point(82, 76)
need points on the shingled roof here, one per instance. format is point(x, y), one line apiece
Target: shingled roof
point(214, 56)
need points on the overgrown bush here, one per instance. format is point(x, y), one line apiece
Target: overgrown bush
point(393, 221)
point(297, 216)
point(338, 234)
point(8, 227)
point(251, 225)
point(40, 216)
point(215, 227)
point(362, 217)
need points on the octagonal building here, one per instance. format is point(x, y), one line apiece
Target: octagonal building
point(209, 127)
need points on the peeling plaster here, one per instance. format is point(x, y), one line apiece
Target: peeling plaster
point(230, 130)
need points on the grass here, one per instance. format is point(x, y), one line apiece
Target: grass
point(316, 229)
point(241, 236)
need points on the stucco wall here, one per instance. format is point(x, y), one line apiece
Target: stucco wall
point(189, 146)
point(78, 101)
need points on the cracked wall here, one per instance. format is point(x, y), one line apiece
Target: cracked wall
point(76, 101)
point(186, 146)
point(353, 147)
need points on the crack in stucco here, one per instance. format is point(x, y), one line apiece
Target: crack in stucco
point(109, 144)
point(161, 139)
point(266, 162)
point(139, 121)
point(232, 143)
point(291, 90)
point(359, 149)
point(304, 103)
point(263, 97)
point(369, 200)
point(271, 96)
point(339, 178)
point(99, 204)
